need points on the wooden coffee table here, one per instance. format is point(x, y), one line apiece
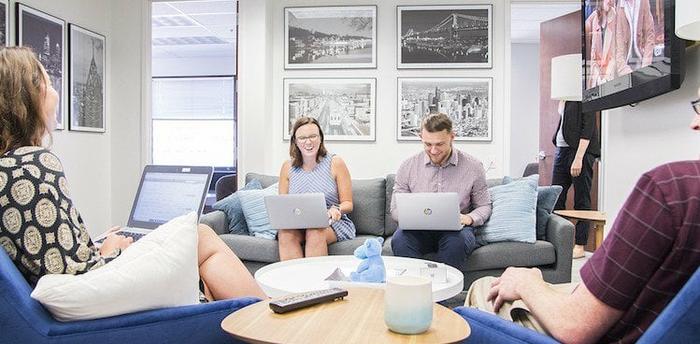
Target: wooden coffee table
point(358, 318)
point(597, 218)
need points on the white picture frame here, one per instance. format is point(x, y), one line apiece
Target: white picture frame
point(87, 85)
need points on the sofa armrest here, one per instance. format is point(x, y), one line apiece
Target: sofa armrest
point(487, 328)
point(560, 232)
point(196, 323)
point(217, 220)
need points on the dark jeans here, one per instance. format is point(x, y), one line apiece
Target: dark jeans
point(452, 247)
point(561, 175)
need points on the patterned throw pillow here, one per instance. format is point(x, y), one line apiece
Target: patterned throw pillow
point(253, 204)
point(231, 206)
point(513, 214)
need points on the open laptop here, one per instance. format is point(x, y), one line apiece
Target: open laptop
point(428, 211)
point(164, 193)
point(297, 211)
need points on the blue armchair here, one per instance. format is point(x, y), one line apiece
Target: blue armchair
point(678, 323)
point(24, 320)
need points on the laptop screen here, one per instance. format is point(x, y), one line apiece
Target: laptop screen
point(164, 195)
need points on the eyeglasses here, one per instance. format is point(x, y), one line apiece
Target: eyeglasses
point(696, 106)
point(312, 137)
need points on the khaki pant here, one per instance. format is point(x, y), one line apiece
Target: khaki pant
point(515, 311)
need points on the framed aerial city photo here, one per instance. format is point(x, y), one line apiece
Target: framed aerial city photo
point(45, 34)
point(4, 23)
point(86, 80)
point(330, 37)
point(450, 36)
point(344, 107)
point(467, 101)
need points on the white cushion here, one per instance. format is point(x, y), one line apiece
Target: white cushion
point(159, 270)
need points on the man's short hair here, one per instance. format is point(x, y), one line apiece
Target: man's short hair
point(436, 123)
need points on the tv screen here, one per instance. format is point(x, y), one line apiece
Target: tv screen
point(630, 52)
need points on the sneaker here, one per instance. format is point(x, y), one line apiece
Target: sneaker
point(578, 252)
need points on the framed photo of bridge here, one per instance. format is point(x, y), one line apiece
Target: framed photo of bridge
point(330, 37)
point(467, 101)
point(344, 107)
point(449, 36)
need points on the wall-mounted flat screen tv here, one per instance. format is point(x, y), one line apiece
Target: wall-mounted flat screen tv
point(630, 52)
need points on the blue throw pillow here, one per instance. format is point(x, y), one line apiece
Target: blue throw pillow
point(513, 214)
point(253, 204)
point(546, 199)
point(231, 206)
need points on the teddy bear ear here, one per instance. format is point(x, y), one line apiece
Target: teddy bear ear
point(380, 239)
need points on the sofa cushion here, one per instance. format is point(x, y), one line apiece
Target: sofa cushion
point(253, 204)
point(503, 254)
point(546, 199)
point(265, 180)
point(513, 214)
point(251, 248)
point(368, 199)
point(231, 205)
point(389, 224)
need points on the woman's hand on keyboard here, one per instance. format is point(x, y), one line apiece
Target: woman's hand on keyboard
point(114, 241)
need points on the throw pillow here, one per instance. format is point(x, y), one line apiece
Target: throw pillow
point(513, 214)
point(231, 206)
point(546, 199)
point(162, 267)
point(253, 204)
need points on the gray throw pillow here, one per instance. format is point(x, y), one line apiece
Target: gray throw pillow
point(546, 199)
point(231, 206)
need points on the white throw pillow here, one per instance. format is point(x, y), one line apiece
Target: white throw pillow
point(159, 270)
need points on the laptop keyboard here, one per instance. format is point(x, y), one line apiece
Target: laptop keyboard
point(136, 236)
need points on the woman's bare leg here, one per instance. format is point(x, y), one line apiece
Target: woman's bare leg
point(289, 241)
point(223, 273)
point(317, 241)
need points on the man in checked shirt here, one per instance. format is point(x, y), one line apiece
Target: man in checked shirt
point(650, 253)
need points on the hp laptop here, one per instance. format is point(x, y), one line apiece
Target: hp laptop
point(297, 211)
point(164, 193)
point(428, 211)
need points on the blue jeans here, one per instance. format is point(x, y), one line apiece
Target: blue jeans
point(452, 247)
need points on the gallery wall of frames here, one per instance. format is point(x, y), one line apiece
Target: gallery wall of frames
point(74, 58)
point(324, 39)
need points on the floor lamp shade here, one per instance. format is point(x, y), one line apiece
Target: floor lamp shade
point(566, 77)
point(688, 19)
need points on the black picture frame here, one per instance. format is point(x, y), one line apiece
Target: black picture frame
point(4, 23)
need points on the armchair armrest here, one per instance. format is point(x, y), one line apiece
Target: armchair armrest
point(487, 328)
point(560, 232)
point(196, 323)
point(217, 220)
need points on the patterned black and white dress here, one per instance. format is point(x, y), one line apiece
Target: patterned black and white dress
point(42, 230)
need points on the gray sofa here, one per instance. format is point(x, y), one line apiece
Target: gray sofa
point(372, 199)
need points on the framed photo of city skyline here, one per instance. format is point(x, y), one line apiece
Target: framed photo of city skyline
point(449, 36)
point(86, 82)
point(467, 101)
point(45, 34)
point(330, 37)
point(4, 23)
point(344, 107)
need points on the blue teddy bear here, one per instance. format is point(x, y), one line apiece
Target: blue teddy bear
point(371, 268)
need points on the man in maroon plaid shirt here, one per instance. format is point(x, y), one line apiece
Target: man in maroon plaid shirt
point(651, 251)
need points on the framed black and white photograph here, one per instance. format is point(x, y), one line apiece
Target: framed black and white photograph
point(467, 101)
point(45, 34)
point(86, 80)
point(330, 37)
point(450, 36)
point(344, 107)
point(4, 23)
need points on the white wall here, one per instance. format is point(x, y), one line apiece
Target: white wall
point(637, 139)
point(261, 50)
point(525, 105)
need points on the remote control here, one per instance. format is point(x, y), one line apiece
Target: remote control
point(301, 300)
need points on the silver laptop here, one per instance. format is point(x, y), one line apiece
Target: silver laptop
point(164, 193)
point(428, 211)
point(297, 211)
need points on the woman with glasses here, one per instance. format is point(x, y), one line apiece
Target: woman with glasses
point(312, 169)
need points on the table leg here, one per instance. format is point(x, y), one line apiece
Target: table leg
point(598, 234)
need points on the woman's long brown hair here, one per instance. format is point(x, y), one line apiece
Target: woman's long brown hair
point(22, 92)
point(294, 151)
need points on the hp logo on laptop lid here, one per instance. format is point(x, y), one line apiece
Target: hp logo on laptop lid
point(427, 211)
point(297, 211)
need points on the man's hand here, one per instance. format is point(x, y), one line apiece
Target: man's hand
point(465, 220)
point(576, 166)
point(510, 285)
point(334, 214)
point(114, 241)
